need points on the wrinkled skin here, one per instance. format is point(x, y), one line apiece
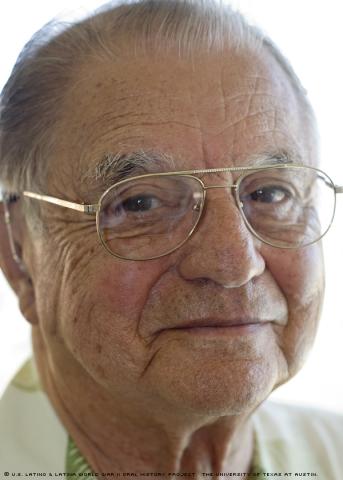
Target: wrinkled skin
point(107, 335)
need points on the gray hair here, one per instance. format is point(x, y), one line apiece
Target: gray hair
point(30, 101)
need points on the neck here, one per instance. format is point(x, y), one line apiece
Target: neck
point(128, 433)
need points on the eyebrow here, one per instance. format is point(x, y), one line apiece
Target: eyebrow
point(275, 158)
point(113, 167)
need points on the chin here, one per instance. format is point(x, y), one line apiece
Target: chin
point(217, 390)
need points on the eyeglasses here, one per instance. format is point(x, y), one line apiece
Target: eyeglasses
point(148, 216)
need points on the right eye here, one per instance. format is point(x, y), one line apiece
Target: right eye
point(139, 203)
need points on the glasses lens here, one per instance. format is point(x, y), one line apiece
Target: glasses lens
point(151, 216)
point(288, 207)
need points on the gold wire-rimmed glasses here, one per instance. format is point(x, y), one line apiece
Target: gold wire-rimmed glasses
point(148, 216)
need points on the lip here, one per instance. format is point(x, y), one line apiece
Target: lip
point(212, 326)
point(218, 323)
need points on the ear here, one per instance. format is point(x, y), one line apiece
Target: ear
point(11, 262)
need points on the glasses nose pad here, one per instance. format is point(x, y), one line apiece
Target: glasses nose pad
point(197, 206)
point(198, 202)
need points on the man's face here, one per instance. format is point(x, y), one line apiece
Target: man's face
point(149, 330)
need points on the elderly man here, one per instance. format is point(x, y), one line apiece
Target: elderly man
point(161, 222)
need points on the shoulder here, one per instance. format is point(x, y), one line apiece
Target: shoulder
point(300, 438)
point(31, 436)
point(287, 420)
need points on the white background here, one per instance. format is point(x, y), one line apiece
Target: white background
point(309, 33)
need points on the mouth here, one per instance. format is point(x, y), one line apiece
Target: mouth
point(212, 327)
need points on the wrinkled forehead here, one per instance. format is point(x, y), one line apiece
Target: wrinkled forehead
point(213, 110)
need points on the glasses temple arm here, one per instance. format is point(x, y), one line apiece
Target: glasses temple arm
point(80, 207)
point(339, 188)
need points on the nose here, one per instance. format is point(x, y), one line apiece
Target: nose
point(221, 249)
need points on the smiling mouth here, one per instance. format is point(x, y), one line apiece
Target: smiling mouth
point(239, 328)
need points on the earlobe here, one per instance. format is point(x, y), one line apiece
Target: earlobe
point(14, 270)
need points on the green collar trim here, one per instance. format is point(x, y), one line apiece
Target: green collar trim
point(75, 462)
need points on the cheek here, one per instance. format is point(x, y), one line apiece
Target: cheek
point(100, 327)
point(299, 273)
point(300, 276)
point(126, 286)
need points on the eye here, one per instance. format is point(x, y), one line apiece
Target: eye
point(270, 194)
point(139, 203)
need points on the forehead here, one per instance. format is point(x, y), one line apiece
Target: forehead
point(213, 110)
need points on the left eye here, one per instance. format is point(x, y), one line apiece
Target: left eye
point(270, 194)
